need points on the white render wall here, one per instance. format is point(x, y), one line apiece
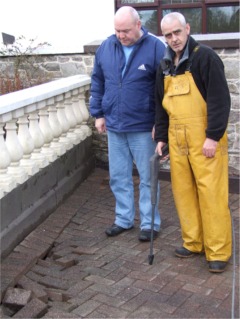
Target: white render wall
point(66, 25)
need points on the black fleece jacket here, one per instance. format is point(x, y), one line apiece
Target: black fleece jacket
point(208, 73)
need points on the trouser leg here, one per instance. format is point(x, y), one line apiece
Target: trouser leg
point(186, 201)
point(121, 183)
point(212, 176)
point(143, 147)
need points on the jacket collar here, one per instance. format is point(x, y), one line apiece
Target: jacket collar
point(169, 54)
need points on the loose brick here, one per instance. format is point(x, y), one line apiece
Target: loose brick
point(34, 309)
point(46, 271)
point(62, 305)
point(66, 261)
point(37, 290)
point(6, 282)
point(51, 282)
point(54, 294)
point(16, 297)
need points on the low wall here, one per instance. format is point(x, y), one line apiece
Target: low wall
point(45, 153)
point(28, 204)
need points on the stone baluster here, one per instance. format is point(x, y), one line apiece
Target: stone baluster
point(71, 118)
point(55, 127)
point(84, 111)
point(78, 114)
point(7, 182)
point(49, 152)
point(68, 143)
point(38, 140)
point(27, 144)
point(16, 153)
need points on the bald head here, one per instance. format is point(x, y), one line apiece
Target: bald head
point(127, 25)
point(127, 13)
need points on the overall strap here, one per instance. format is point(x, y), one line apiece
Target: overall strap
point(189, 62)
point(165, 67)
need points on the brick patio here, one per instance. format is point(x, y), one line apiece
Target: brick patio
point(71, 269)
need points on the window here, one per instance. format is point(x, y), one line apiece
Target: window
point(204, 16)
point(220, 19)
point(135, 1)
point(179, 1)
point(149, 20)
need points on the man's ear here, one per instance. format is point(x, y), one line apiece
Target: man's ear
point(139, 24)
point(188, 28)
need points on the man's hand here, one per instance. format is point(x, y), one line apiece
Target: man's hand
point(100, 125)
point(159, 147)
point(209, 148)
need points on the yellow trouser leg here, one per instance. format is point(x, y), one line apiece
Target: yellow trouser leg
point(212, 177)
point(185, 194)
point(200, 193)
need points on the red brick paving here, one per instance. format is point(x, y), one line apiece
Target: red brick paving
point(73, 268)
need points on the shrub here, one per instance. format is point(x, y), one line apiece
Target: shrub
point(22, 66)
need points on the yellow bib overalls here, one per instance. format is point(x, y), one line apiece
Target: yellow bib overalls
point(200, 184)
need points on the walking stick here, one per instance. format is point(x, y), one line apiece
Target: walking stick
point(154, 168)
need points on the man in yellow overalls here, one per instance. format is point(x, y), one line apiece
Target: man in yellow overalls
point(193, 105)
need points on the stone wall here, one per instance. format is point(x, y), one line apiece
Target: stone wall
point(57, 66)
point(230, 59)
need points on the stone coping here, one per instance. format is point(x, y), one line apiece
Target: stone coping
point(216, 41)
point(22, 98)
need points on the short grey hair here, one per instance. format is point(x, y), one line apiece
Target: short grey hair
point(168, 18)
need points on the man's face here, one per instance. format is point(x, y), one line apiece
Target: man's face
point(176, 35)
point(127, 31)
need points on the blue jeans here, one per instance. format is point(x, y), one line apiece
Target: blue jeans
point(123, 150)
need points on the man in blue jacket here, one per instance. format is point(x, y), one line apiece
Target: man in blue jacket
point(122, 101)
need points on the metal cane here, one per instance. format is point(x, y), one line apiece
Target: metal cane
point(154, 168)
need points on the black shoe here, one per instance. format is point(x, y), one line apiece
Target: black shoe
point(184, 253)
point(217, 266)
point(145, 235)
point(115, 230)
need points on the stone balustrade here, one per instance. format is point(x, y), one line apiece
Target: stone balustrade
point(39, 124)
point(45, 153)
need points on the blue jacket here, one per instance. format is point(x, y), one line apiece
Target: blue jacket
point(127, 102)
